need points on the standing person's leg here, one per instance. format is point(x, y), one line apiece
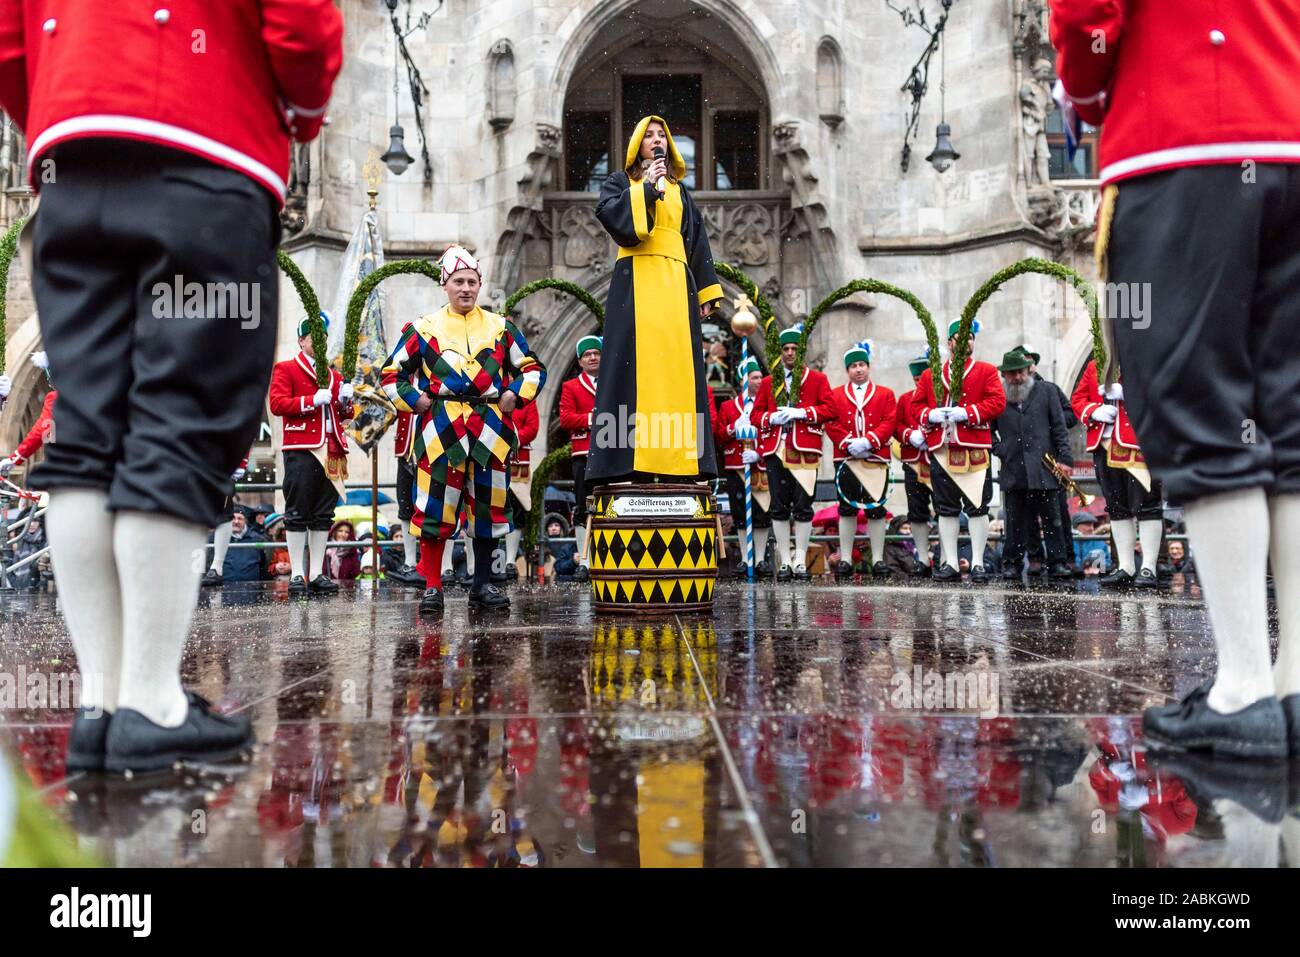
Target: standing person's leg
point(1151, 529)
point(221, 536)
point(847, 511)
point(801, 514)
point(762, 522)
point(1013, 547)
point(579, 465)
point(1058, 553)
point(298, 467)
point(486, 521)
point(918, 516)
point(1189, 385)
point(877, 528)
point(438, 492)
point(979, 529)
point(781, 483)
point(947, 505)
point(1123, 526)
point(323, 501)
point(405, 509)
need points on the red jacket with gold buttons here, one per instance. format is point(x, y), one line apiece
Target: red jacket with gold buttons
point(981, 396)
point(577, 405)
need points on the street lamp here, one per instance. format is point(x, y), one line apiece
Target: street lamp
point(396, 158)
point(943, 155)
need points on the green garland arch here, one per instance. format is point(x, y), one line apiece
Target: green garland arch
point(541, 479)
point(771, 334)
point(311, 304)
point(8, 246)
point(357, 302)
point(563, 285)
point(873, 286)
point(993, 283)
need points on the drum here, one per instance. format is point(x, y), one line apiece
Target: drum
point(653, 548)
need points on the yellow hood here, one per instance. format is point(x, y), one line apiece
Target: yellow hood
point(676, 165)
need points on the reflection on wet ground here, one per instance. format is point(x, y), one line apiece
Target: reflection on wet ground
point(798, 726)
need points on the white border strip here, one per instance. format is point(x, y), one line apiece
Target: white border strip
point(194, 142)
point(1205, 153)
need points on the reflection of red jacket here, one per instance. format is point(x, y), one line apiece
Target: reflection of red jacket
point(1169, 810)
point(806, 435)
point(577, 404)
point(1087, 396)
point(981, 396)
point(1181, 84)
point(263, 74)
point(875, 419)
point(527, 423)
point(293, 383)
point(38, 433)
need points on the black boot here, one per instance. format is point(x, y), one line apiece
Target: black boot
point(1291, 712)
point(297, 585)
point(1116, 579)
point(1061, 571)
point(880, 570)
point(946, 574)
point(322, 585)
point(1146, 578)
point(843, 570)
point(979, 575)
point(582, 574)
point(1258, 786)
point(918, 569)
point(136, 744)
point(211, 579)
point(431, 604)
point(488, 598)
point(1256, 731)
point(87, 741)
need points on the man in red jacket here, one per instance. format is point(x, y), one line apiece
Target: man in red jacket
point(1200, 157)
point(865, 417)
point(42, 431)
point(959, 440)
point(735, 440)
point(577, 405)
point(791, 444)
point(915, 456)
point(1136, 511)
point(315, 448)
point(159, 139)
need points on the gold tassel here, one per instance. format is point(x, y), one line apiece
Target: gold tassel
point(1105, 218)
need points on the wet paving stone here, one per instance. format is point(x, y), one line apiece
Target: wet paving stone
point(851, 724)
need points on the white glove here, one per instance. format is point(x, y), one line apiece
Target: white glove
point(858, 448)
point(238, 474)
point(5, 386)
point(1115, 391)
point(743, 424)
point(1105, 413)
point(7, 465)
point(938, 416)
point(345, 392)
point(749, 457)
point(1133, 795)
point(322, 397)
point(956, 414)
point(796, 414)
point(916, 439)
point(780, 417)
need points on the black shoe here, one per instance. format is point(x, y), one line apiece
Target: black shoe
point(880, 570)
point(407, 575)
point(1258, 731)
point(136, 744)
point(918, 569)
point(1146, 578)
point(843, 570)
point(1260, 787)
point(1291, 712)
point(431, 603)
point(801, 574)
point(784, 574)
point(211, 579)
point(322, 585)
point(297, 585)
point(583, 574)
point(763, 568)
point(488, 598)
point(946, 573)
point(1061, 571)
point(87, 741)
point(1116, 579)
point(512, 572)
point(979, 575)
point(1011, 572)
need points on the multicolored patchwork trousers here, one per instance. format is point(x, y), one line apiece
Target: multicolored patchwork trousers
point(440, 490)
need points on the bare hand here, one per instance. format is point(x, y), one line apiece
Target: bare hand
point(707, 309)
point(657, 170)
point(507, 402)
point(422, 404)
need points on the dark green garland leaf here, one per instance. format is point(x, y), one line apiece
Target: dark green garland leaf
point(563, 285)
point(311, 305)
point(541, 479)
point(8, 246)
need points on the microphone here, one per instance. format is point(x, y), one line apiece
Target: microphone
point(662, 184)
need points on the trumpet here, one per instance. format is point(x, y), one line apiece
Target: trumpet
point(1066, 481)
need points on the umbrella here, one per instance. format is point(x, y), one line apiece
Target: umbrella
point(829, 517)
point(361, 496)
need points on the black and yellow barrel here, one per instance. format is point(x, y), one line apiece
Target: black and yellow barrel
point(653, 548)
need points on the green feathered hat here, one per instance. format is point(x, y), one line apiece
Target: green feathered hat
point(918, 365)
point(956, 324)
point(304, 327)
point(859, 352)
point(746, 367)
point(589, 342)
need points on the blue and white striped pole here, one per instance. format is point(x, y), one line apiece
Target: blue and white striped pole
point(749, 498)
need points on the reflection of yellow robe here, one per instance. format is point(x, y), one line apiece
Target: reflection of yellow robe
point(652, 369)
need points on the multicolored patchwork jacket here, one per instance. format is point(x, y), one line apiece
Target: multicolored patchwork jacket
point(461, 362)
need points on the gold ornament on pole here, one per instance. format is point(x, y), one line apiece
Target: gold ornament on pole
point(743, 322)
point(374, 175)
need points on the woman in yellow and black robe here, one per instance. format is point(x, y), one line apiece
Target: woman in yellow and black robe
point(652, 418)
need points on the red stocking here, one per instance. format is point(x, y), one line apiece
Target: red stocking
point(431, 561)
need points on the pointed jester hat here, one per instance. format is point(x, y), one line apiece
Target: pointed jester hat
point(455, 259)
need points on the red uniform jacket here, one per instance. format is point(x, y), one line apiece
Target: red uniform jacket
point(38, 433)
point(577, 403)
point(806, 435)
point(981, 396)
point(229, 81)
point(905, 422)
point(724, 431)
point(1183, 83)
point(875, 419)
point(527, 423)
point(293, 383)
point(1087, 396)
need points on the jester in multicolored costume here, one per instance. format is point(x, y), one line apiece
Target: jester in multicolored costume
point(451, 369)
